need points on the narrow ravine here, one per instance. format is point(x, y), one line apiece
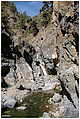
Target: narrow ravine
point(40, 60)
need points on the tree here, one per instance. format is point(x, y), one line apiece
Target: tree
point(47, 5)
point(23, 19)
point(46, 12)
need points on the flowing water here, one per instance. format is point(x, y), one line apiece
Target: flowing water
point(36, 104)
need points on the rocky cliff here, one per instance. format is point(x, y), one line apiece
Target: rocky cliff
point(46, 61)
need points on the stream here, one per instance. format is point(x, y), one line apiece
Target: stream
point(36, 104)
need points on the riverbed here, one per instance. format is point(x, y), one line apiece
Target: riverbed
point(35, 105)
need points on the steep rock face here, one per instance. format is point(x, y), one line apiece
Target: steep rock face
point(70, 91)
point(69, 56)
point(23, 72)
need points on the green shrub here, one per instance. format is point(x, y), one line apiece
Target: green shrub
point(46, 13)
point(33, 28)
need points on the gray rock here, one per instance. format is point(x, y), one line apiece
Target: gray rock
point(8, 102)
point(23, 74)
point(10, 78)
point(46, 115)
point(71, 91)
point(23, 71)
point(48, 86)
point(56, 98)
point(69, 110)
point(50, 82)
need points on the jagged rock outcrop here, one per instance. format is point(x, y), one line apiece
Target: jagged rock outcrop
point(23, 70)
point(70, 91)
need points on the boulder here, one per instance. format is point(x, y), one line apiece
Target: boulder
point(10, 78)
point(23, 71)
point(8, 101)
point(46, 115)
point(56, 98)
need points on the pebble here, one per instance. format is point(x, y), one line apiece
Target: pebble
point(21, 108)
point(21, 100)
